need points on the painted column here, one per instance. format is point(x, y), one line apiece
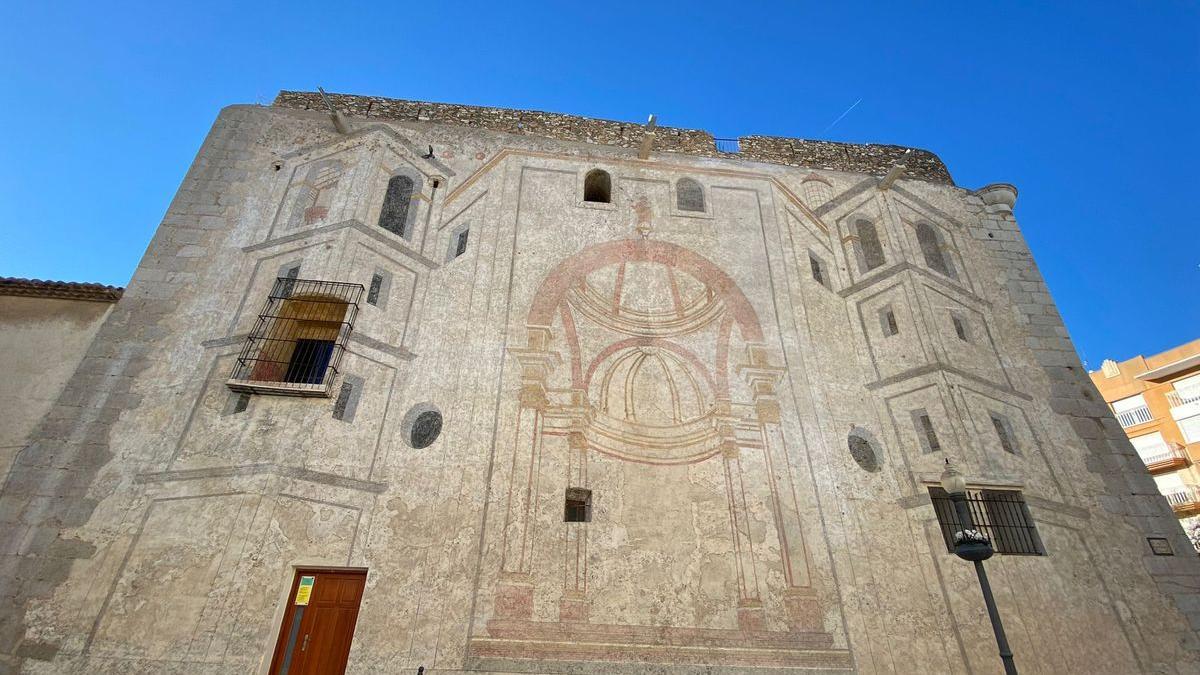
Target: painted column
point(800, 599)
point(751, 616)
point(574, 604)
point(514, 589)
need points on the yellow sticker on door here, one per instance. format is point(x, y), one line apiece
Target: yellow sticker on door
point(304, 591)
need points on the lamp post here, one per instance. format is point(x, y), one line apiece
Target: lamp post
point(971, 544)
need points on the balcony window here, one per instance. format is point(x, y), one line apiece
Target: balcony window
point(1182, 496)
point(297, 343)
point(1187, 391)
point(1157, 454)
point(1132, 411)
point(1190, 427)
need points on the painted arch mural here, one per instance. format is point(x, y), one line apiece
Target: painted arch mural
point(645, 379)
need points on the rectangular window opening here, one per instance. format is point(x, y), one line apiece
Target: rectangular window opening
point(1004, 432)
point(460, 243)
point(818, 269)
point(373, 291)
point(578, 507)
point(238, 402)
point(887, 321)
point(347, 399)
point(960, 328)
point(926, 432)
point(1002, 515)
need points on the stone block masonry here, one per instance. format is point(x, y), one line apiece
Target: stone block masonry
point(47, 490)
point(869, 158)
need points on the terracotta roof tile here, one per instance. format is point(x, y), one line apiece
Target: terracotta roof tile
point(67, 290)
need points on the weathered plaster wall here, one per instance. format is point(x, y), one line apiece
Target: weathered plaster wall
point(683, 365)
point(42, 340)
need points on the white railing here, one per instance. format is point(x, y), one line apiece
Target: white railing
point(1139, 415)
point(1186, 496)
point(1183, 397)
point(1162, 453)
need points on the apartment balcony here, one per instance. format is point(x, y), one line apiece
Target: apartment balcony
point(1184, 403)
point(1185, 500)
point(1166, 458)
point(1134, 417)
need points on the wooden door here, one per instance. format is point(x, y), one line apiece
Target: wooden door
point(315, 637)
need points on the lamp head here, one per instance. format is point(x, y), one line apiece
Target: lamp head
point(953, 481)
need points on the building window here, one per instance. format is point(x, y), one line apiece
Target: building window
point(377, 292)
point(238, 402)
point(870, 249)
point(347, 400)
point(297, 343)
point(1008, 441)
point(290, 273)
point(1132, 411)
point(1190, 428)
point(931, 249)
point(1152, 448)
point(397, 202)
point(460, 243)
point(578, 507)
point(960, 328)
point(925, 432)
point(373, 290)
point(1001, 515)
point(597, 187)
point(887, 321)
point(689, 196)
point(818, 269)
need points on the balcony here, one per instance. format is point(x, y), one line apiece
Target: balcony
point(1134, 417)
point(1184, 500)
point(1184, 402)
point(1165, 458)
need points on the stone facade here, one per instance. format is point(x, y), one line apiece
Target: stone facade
point(734, 389)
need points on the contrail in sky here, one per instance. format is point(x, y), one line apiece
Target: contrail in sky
point(839, 119)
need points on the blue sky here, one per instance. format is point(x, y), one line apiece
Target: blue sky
point(1091, 109)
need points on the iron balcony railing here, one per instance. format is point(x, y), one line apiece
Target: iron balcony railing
point(1183, 397)
point(1134, 417)
point(1184, 498)
point(1164, 454)
point(728, 145)
point(296, 345)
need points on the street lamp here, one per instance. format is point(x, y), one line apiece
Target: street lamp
point(971, 544)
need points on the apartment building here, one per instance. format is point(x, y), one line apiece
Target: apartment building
point(1157, 401)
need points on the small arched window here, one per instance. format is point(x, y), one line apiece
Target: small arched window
point(597, 187)
point(931, 249)
point(393, 217)
point(689, 195)
point(870, 250)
